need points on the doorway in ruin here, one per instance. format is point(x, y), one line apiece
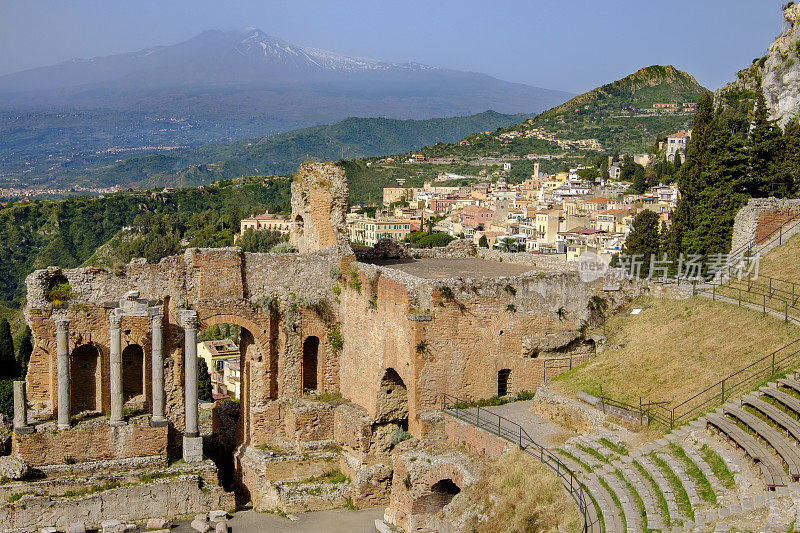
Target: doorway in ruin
point(298, 225)
point(84, 369)
point(430, 503)
point(310, 357)
point(132, 371)
point(502, 381)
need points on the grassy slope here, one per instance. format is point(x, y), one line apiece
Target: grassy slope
point(783, 262)
point(676, 348)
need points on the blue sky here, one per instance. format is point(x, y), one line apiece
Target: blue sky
point(571, 45)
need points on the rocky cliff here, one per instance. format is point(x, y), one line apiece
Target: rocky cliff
point(778, 72)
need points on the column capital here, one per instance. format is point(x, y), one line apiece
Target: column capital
point(62, 324)
point(189, 319)
point(156, 321)
point(114, 320)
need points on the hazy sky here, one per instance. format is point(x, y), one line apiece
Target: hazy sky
point(572, 45)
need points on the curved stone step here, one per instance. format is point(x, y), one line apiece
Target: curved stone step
point(645, 490)
point(611, 515)
point(633, 519)
point(677, 467)
point(593, 518)
point(664, 486)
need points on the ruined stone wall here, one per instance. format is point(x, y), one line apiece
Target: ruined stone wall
point(320, 200)
point(90, 443)
point(759, 219)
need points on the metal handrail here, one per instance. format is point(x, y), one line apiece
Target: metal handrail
point(748, 246)
point(515, 433)
point(731, 385)
point(754, 288)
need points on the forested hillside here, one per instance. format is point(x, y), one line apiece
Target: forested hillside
point(67, 232)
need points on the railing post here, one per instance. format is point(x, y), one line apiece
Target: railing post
point(723, 391)
point(765, 304)
point(740, 296)
point(499, 420)
point(478, 417)
point(773, 364)
point(520, 437)
point(786, 311)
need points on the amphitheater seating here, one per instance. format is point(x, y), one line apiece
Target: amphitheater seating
point(776, 415)
point(771, 470)
point(771, 436)
point(787, 400)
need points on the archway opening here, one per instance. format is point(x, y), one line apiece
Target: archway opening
point(132, 371)
point(310, 357)
point(502, 381)
point(84, 371)
point(298, 225)
point(391, 422)
point(430, 503)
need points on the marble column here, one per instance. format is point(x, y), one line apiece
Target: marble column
point(157, 363)
point(115, 369)
point(190, 374)
point(62, 365)
point(21, 409)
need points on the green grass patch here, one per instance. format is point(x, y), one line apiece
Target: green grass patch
point(615, 498)
point(718, 466)
point(495, 401)
point(620, 449)
point(334, 476)
point(662, 502)
point(704, 489)
point(681, 498)
point(591, 451)
point(568, 455)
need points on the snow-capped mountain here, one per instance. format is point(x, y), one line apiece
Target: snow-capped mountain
point(229, 78)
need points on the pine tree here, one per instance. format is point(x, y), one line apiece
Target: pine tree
point(204, 392)
point(24, 351)
point(8, 363)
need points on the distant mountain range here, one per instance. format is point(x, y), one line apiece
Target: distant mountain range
point(218, 87)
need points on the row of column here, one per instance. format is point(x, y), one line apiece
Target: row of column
point(115, 374)
point(192, 440)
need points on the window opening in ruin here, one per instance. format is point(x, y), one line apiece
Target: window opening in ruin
point(298, 222)
point(393, 400)
point(132, 371)
point(83, 379)
point(310, 352)
point(502, 381)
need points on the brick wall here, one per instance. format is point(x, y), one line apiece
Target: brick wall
point(90, 444)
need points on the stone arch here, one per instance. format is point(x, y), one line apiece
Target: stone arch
point(299, 224)
point(393, 399)
point(310, 363)
point(437, 498)
point(254, 349)
point(85, 376)
point(133, 374)
point(503, 377)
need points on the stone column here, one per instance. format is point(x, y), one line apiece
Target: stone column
point(192, 442)
point(21, 409)
point(157, 364)
point(190, 374)
point(115, 368)
point(62, 364)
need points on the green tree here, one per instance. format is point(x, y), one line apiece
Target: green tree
point(644, 239)
point(8, 362)
point(204, 392)
point(791, 156)
point(483, 242)
point(24, 351)
point(765, 149)
point(604, 170)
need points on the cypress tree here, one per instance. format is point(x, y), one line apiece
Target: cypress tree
point(24, 351)
point(644, 238)
point(791, 156)
point(765, 148)
point(204, 392)
point(8, 363)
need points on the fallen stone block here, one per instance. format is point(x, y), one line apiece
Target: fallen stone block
point(112, 526)
point(12, 468)
point(201, 526)
point(159, 523)
point(217, 515)
point(49, 530)
point(76, 527)
point(221, 527)
point(382, 527)
point(203, 517)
